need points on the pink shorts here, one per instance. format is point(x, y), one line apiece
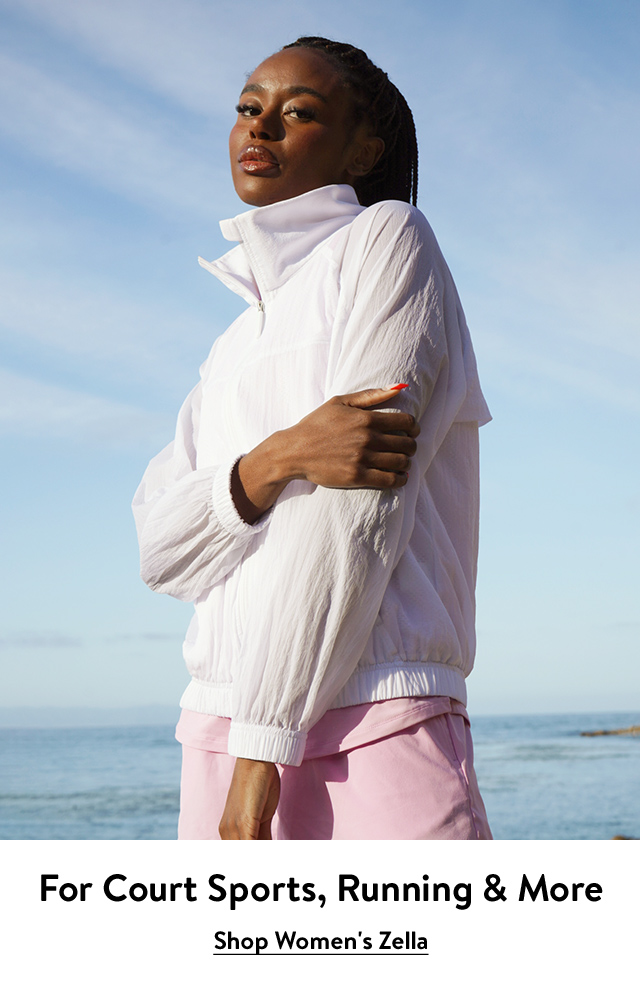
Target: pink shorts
point(418, 783)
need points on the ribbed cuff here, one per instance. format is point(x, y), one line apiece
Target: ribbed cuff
point(224, 505)
point(267, 743)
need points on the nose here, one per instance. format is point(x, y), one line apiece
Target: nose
point(266, 127)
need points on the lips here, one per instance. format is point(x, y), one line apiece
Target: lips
point(257, 160)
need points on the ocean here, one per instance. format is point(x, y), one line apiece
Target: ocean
point(539, 777)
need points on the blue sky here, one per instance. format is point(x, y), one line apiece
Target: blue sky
point(113, 126)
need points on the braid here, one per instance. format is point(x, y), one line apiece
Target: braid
point(395, 175)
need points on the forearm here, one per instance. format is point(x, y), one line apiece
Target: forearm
point(260, 477)
point(251, 801)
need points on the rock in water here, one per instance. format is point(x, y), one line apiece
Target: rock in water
point(633, 730)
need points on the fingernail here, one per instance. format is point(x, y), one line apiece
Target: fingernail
point(397, 387)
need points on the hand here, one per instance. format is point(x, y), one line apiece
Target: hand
point(347, 444)
point(251, 801)
point(344, 443)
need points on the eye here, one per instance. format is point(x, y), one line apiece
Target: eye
point(247, 109)
point(300, 113)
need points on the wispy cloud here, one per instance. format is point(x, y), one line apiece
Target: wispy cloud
point(146, 637)
point(30, 407)
point(40, 640)
point(533, 370)
point(95, 320)
point(61, 640)
point(156, 162)
point(583, 296)
point(539, 201)
point(194, 53)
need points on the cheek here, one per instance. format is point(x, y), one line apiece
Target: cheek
point(313, 153)
point(235, 139)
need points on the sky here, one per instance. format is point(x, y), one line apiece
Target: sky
point(114, 116)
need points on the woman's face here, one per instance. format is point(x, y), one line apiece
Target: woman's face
point(295, 130)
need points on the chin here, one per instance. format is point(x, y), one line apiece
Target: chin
point(256, 193)
point(262, 191)
point(257, 199)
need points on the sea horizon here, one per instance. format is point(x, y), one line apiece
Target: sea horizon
point(87, 716)
point(540, 776)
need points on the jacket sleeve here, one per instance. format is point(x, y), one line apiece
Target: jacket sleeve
point(329, 555)
point(189, 530)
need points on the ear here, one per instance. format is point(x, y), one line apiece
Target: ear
point(366, 153)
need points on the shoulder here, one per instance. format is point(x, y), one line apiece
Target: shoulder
point(393, 214)
point(396, 224)
point(394, 236)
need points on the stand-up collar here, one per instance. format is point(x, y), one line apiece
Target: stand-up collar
point(276, 240)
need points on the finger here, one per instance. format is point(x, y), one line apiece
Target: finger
point(371, 396)
point(395, 422)
point(392, 443)
point(383, 480)
point(395, 463)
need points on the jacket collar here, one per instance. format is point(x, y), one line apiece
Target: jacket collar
point(278, 239)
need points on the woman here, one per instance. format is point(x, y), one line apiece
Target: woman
point(333, 586)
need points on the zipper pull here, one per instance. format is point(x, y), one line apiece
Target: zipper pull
point(261, 317)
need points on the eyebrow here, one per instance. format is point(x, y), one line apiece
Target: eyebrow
point(253, 87)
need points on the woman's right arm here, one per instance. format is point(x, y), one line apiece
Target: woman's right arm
point(344, 443)
point(195, 524)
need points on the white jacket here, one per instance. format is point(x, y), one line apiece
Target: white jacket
point(334, 597)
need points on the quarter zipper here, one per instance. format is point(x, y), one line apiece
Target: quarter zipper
point(261, 311)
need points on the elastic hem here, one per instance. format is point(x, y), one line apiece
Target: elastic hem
point(383, 683)
point(364, 687)
point(267, 743)
point(224, 505)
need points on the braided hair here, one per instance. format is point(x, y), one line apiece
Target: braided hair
point(395, 174)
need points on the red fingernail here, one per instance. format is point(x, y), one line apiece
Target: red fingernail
point(397, 387)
